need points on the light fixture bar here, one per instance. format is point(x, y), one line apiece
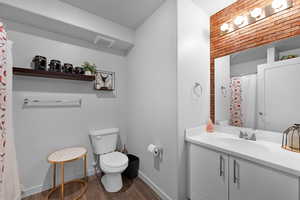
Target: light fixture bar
point(255, 15)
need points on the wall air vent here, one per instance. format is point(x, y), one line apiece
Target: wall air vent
point(104, 41)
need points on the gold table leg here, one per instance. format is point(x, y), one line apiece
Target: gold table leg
point(85, 168)
point(83, 183)
point(54, 176)
point(62, 181)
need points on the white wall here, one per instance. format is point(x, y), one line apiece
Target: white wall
point(222, 96)
point(193, 66)
point(152, 97)
point(39, 131)
point(246, 67)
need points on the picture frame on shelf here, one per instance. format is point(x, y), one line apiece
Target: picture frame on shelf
point(105, 80)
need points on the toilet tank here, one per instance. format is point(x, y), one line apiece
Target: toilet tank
point(104, 140)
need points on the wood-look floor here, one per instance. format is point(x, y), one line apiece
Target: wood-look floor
point(132, 190)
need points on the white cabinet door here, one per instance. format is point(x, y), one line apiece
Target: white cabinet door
point(208, 174)
point(278, 84)
point(249, 181)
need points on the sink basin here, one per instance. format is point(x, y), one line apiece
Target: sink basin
point(245, 144)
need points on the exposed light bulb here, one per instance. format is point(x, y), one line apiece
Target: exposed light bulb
point(255, 13)
point(225, 27)
point(278, 4)
point(239, 20)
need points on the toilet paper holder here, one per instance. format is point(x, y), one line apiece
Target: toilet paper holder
point(157, 151)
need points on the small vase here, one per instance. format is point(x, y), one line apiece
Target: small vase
point(210, 126)
point(88, 73)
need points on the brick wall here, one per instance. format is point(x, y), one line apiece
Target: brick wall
point(276, 27)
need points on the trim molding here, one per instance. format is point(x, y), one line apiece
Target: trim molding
point(40, 188)
point(154, 187)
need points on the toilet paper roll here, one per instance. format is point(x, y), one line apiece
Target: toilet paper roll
point(153, 149)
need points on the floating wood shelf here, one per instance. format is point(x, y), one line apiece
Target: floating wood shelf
point(105, 89)
point(47, 74)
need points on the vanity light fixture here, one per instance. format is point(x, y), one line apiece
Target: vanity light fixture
point(256, 13)
point(225, 27)
point(279, 4)
point(239, 20)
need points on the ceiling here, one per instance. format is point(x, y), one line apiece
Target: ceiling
point(28, 22)
point(213, 6)
point(129, 13)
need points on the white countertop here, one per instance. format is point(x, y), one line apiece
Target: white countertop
point(263, 152)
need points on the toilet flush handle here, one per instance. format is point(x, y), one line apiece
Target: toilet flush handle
point(98, 137)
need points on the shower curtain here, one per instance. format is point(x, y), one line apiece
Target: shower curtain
point(243, 101)
point(9, 179)
point(235, 102)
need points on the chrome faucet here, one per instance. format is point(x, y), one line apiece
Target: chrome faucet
point(243, 135)
point(247, 137)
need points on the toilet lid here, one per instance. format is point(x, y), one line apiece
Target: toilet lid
point(114, 159)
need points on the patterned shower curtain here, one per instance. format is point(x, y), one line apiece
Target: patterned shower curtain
point(3, 99)
point(236, 101)
point(9, 178)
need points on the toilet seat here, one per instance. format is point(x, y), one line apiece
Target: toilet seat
point(113, 162)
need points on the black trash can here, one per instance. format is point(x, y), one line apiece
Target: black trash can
point(132, 170)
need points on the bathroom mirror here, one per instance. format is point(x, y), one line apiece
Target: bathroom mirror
point(259, 88)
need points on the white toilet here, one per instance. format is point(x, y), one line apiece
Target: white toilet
point(112, 163)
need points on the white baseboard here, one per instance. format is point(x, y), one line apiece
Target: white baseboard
point(40, 188)
point(151, 184)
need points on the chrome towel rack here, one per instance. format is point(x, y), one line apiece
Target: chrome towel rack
point(60, 102)
point(197, 92)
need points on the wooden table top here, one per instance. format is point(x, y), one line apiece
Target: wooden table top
point(67, 155)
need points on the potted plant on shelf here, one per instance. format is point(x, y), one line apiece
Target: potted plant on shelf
point(89, 69)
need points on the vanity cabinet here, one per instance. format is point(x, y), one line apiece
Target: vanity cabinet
point(217, 176)
point(250, 181)
point(209, 174)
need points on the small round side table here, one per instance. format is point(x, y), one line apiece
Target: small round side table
point(61, 157)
